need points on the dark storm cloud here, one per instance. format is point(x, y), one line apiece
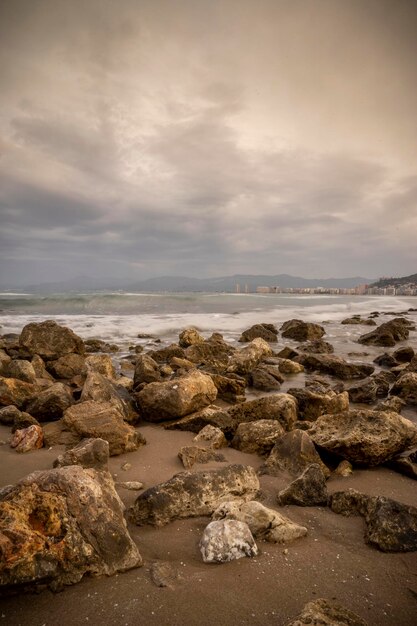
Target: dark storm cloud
point(145, 138)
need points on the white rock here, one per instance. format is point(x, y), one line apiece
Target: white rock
point(227, 540)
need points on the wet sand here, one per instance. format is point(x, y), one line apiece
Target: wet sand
point(333, 561)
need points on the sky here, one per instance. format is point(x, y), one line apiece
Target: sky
point(142, 138)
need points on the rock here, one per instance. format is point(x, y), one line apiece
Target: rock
point(50, 403)
point(213, 416)
point(68, 366)
point(356, 319)
point(323, 612)
point(257, 437)
point(394, 404)
point(264, 523)
point(50, 340)
point(335, 366)
point(318, 346)
point(146, 371)
point(405, 463)
point(176, 398)
point(8, 414)
point(390, 525)
point(404, 354)
point(364, 392)
point(16, 392)
point(230, 388)
point(246, 359)
point(5, 359)
point(312, 404)
point(190, 494)
point(212, 436)
point(385, 360)
point(406, 388)
point(387, 334)
point(98, 388)
point(89, 453)
point(302, 331)
point(383, 382)
point(164, 355)
point(102, 364)
point(267, 332)
point(189, 455)
point(344, 469)
point(58, 525)
point(163, 574)
point(58, 434)
point(214, 354)
point(23, 420)
point(102, 420)
point(23, 370)
point(280, 406)
point(364, 437)
point(131, 485)
point(290, 367)
point(293, 453)
point(190, 337)
point(227, 540)
point(287, 353)
point(40, 369)
point(266, 378)
point(181, 364)
point(27, 439)
point(97, 345)
point(309, 489)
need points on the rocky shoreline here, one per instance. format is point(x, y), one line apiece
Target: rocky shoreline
point(254, 449)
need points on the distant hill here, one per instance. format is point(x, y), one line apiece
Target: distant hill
point(402, 280)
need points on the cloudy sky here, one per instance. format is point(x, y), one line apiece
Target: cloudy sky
point(141, 138)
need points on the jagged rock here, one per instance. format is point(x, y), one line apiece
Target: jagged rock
point(189, 455)
point(176, 398)
point(214, 354)
point(67, 367)
point(385, 360)
point(302, 331)
point(58, 434)
point(405, 463)
point(89, 453)
point(318, 346)
point(335, 366)
point(412, 366)
point(98, 345)
point(105, 421)
point(213, 416)
point(364, 437)
point(8, 414)
point(190, 337)
point(312, 404)
point(27, 439)
point(344, 469)
point(257, 437)
point(394, 404)
point(387, 334)
point(230, 388)
point(98, 388)
point(267, 332)
point(23, 370)
point(246, 359)
point(23, 420)
point(212, 436)
point(309, 489)
point(324, 612)
point(227, 540)
point(406, 387)
point(264, 523)
point(131, 485)
point(163, 574)
point(266, 378)
point(287, 353)
point(146, 371)
point(101, 363)
point(390, 525)
point(16, 392)
point(293, 453)
point(181, 364)
point(50, 403)
point(364, 392)
point(40, 368)
point(356, 319)
point(383, 382)
point(191, 494)
point(57, 525)
point(404, 354)
point(164, 355)
point(280, 406)
point(5, 359)
point(50, 340)
point(286, 366)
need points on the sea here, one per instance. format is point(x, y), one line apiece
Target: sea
point(119, 317)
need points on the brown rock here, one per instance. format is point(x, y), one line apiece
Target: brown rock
point(266, 378)
point(312, 404)
point(335, 366)
point(324, 612)
point(50, 403)
point(23, 370)
point(89, 453)
point(50, 340)
point(213, 354)
point(257, 437)
point(246, 359)
point(309, 489)
point(190, 337)
point(293, 453)
point(101, 363)
point(16, 392)
point(146, 371)
point(212, 436)
point(27, 439)
point(406, 388)
point(189, 455)
point(230, 388)
point(387, 334)
point(318, 346)
point(302, 331)
point(100, 389)
point(267, 332)
point(280, 406)
point(213, 416)
point(68, 366)
point(356, 319)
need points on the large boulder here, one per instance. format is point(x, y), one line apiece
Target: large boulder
point(177, 397)
point(227, 540)
point(230, 388)
point(101, 389)
point(23, 370)
point(308, 489)
point(212, 354)
point(50, 403)
point(280, 406)
point(245, 360)
point(364, 437)
point(264, 523)
point(58, 525)
point(324, 612)
point(50, 340)
point(293, 453)
point(67, 367)
point(16, 392)
point(257, 437)
point(390, 525)
point(312, 404)
point(103, 420)
point(189, 337)
point(191, 494)
point(364, 392)
point(302, 331)
point(406, 387)
point(101, 363)
point(387, 334)
point(146, 371)
point(335, 366)
point(267, 332)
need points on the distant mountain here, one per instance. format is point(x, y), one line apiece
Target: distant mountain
point(402, 280)
point(183, 283)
